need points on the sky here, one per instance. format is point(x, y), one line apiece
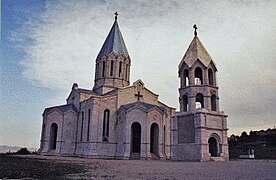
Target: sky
point(47, 45)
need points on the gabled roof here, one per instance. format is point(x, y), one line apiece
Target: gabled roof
point(144, 105)
point(196, 51)
point(113, 43)
point(62, 108)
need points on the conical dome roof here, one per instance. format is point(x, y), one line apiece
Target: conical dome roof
point(113, 43)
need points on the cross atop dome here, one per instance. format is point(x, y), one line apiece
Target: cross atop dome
point(116, 15)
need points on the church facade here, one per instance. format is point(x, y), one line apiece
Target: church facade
point(119, 120)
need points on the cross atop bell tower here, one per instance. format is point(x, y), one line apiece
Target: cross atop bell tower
point(195, 27)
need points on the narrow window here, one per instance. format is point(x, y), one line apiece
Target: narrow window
point(211, 77)
point(82, 118)
point(164, 140)
point(106, 125)
point(103, 69)
point(199, 101)
point(126, 71)
point(88, 124)
point(185, 103)
point(186, 77)
point(111, 68)
point(97, 70)
point(198, 76)
point(213, 103)
point(53, 136)
point(120, 69)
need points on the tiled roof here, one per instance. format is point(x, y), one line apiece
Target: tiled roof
point(113, 43)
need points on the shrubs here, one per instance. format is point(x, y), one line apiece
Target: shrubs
point(23, 151)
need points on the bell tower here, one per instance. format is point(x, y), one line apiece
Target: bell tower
point(112, 63)
point(200, 132)
point(197, 73)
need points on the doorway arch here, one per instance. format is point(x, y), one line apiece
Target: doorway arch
point(154, 139)
point(213, 147)
point(136, 138)
point(53, 136)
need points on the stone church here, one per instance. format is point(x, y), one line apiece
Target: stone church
point(119, 120)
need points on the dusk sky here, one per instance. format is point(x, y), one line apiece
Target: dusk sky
point(46, 46)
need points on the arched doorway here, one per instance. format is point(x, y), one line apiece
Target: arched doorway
point(213, 147)
point(53, 136)
point(154, 139)
point(136, 138)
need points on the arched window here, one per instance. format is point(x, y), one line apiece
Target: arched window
point(211, 77)
point(82, 119)
point(186, 77)
point(103, 69)
point(185, 103)
point(53, 136)
point(88, 124)
point(106, 125)
point(198, 76)
point(111, 68)
point(199, 101)
point(213, 102)
point(120, 69)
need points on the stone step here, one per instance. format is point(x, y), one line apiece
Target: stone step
point(217, 159)
point(135, 156)
point(154, 156)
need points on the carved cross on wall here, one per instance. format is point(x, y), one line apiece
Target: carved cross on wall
point(138, 95)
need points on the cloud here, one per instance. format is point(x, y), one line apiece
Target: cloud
point(67, 36)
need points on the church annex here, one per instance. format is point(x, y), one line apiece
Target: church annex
point(119, 120)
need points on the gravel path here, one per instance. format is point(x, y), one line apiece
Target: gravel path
point(157, 169)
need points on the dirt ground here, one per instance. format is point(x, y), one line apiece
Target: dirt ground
point(50, 167)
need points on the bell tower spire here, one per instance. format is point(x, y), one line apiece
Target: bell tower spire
point(113, 62)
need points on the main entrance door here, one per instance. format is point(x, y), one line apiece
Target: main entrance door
point(154, 139)
point(213, 147)
point(136, 138)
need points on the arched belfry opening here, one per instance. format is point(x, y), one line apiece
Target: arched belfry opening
point(199, 101)
point(154, 139)
point(136, 138)
point(211, 77)
point(213, 102)
point(198, 76)
point(186, 78)
point(213, 147)
point(53, 136)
